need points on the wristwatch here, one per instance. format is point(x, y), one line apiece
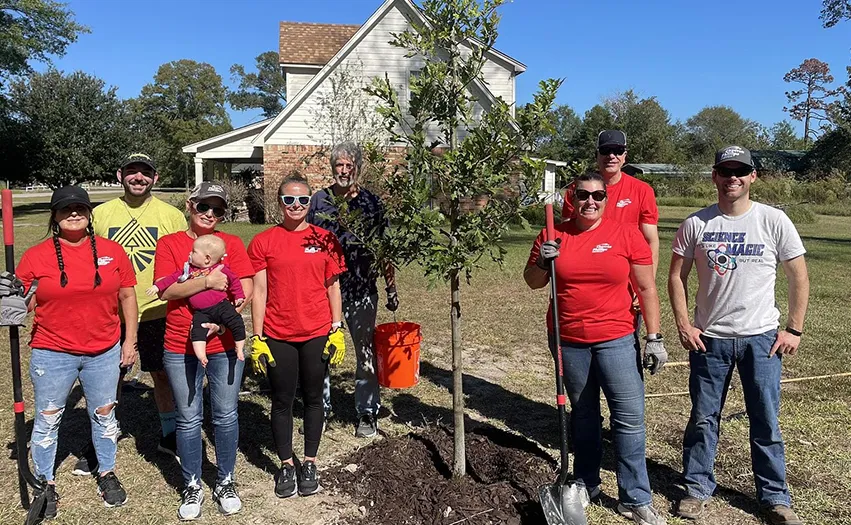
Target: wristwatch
point(653, 337)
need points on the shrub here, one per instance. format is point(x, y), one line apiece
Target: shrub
point(536, 214)
point(800, 214)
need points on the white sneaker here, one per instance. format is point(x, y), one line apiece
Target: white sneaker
point(644, 515)
point(226, 497)
point(190, 506)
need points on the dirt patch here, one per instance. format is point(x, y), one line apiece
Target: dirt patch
point(408, 479)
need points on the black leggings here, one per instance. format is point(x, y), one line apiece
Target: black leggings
point(297, 363)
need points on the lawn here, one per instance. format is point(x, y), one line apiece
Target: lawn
point(509, 385)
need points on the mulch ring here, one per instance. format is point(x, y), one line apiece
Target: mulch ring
point(408, 479)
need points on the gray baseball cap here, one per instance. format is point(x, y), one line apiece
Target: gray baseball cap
point(733, 154)
point(209, 189)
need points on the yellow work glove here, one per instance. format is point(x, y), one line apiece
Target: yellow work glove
point(260, 355)
point(335, 348)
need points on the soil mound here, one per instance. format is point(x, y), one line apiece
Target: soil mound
point(408, 480)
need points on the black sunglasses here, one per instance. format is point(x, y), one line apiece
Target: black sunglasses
point(290, 200)
point(203, 208)
point(597, 195)
point(726, 173)
point(608, 150)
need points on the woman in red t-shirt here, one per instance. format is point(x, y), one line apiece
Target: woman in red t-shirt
point(298, 310)
point(82, 280)
point(207, 205)
point(599, 258)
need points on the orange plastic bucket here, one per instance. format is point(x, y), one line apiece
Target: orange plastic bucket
point(397, 348)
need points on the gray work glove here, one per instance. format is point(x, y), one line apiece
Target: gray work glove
point(655, 356)
point(549, 251)
point(13, 308)
point(392, 298)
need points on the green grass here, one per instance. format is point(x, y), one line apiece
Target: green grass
point(509, 384)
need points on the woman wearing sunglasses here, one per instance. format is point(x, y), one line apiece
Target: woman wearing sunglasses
point(597, 344)
point(298, 310)
point(207, 206)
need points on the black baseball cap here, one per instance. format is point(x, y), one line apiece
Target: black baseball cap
point(139, 158)
point(611, 137)
point(68, 195)
point(209, 189)
point(733, 154)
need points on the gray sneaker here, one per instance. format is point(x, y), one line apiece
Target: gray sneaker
point(691, 508)
point(367, 426)
point(644, 515)
point(190, 505)
point(226, 497)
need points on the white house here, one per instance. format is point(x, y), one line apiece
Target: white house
point(309, 56)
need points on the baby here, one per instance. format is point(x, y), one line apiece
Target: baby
point(210, 306)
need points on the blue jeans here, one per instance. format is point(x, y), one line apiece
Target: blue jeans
point(53, 374)
point(612, 366)
point(224, 375)
point(360, 317)
point(708, 383)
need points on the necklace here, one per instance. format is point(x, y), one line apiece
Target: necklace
point(135, 219)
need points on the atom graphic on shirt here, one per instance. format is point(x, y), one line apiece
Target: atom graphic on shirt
point(721, 261)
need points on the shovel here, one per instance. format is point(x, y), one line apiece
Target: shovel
point(561, 501)
point(35, 509)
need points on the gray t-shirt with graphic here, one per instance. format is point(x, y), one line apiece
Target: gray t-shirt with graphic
point(736, 259)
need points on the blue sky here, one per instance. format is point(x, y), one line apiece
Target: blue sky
point(687, 54)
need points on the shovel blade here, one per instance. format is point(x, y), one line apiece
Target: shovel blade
point(35, 514)
point(563, 504)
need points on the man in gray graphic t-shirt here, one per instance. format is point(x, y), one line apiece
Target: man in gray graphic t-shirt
point(736, 245)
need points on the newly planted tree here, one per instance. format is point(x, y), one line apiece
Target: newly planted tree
point(453, 194)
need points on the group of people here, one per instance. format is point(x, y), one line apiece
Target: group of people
point(174, 289)
point(606, 254)
point(134, 277)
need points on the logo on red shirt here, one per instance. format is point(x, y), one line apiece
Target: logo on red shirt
point(600, 248)
point(623, 203)
point(103, 261)
point(312, 249)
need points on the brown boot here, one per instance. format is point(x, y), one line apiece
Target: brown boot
point(782, 515)
point(691, 508)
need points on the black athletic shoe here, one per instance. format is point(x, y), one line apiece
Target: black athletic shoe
point(367, 426)
point(308, 479)
point(168, 445)
point(51, 501)
point(87, 463)
point(111, 490)
point(285, 484)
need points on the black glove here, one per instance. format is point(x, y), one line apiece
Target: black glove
point(549, 251)
point(392, 298)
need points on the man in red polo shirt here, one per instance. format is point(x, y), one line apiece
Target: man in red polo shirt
point(631, 201)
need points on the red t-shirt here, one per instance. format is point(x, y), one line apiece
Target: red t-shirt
point(592, 273)
point(171, 252)
point(631, 201)
point(297, 264)
point(80, 318)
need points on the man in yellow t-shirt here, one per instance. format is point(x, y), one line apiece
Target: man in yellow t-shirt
point(135, 221)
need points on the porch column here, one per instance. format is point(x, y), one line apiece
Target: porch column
point(199, 170)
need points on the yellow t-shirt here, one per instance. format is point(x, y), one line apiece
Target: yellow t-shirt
point(137, 230)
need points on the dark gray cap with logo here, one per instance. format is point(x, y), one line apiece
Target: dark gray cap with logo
point(208, 189)
point(733, 154)
point(611, 137)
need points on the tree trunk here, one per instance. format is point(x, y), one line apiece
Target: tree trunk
point(460, 463)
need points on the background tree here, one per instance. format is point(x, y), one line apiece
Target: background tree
point(32, 30)
point(265, 90)
point(714, 127)
point(816, 105)
point(453, 158)
point(594, 121)
point(648, 128)
point(784, 137)
point(558, 141)
point(835, 11)
point(71, 128)
point(184, 104)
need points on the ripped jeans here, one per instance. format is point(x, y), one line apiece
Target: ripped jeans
point(53, 375)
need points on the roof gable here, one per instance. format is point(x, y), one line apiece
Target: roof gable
point(407, 6)
point(314, 44)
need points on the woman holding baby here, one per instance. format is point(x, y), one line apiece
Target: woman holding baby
point(176, 254)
